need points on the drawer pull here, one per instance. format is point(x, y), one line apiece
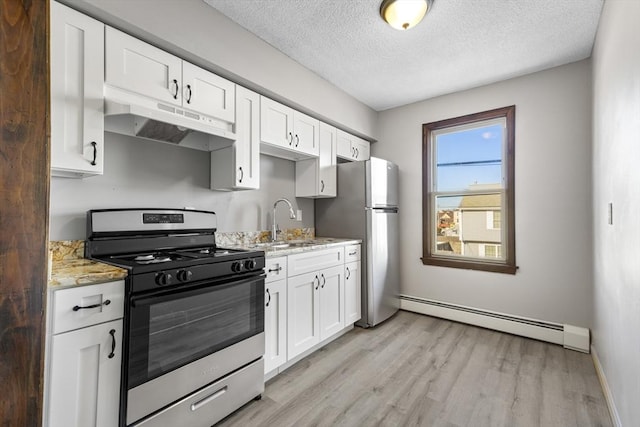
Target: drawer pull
point(113, 343)
point(352, 253)
point(201, 403)
point(77, 307)
point(271, 270)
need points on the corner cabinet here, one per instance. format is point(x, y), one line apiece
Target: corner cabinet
point(287, 133)
point(238, 167)
point(317, 178)
point(85, 356)
point(352, 148)
point(77, 104)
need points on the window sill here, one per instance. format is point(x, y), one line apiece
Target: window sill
point(470, 265)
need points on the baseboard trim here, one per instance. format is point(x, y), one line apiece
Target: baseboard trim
point(608, 396)
point(531, 328)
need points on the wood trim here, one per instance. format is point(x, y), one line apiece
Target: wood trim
point(428, 258)
point(24, 211)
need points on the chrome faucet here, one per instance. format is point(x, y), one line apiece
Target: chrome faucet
point(292, 215)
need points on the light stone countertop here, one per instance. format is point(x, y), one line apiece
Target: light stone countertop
point(68, 267)
point(274, 249)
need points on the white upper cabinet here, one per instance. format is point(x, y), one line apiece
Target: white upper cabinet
point(208, 93)
point(238, 167)
point(136, 66)
point(316, 178)
point(77, 105)
point(287, 133)
point(141, 68)
point(350, 147)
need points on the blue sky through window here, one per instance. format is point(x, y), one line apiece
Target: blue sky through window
point(467, 157)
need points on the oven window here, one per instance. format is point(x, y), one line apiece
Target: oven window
point(182, 327)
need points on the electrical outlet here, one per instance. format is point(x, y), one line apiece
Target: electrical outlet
point(299, 215)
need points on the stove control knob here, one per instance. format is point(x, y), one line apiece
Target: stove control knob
point(184, 275)
point(237, 267)
point(163, 279)
point(250, 264)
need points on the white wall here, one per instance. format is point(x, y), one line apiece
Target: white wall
point(616, 156)
point(202, 35)
point(553, 196)
point(140, 173)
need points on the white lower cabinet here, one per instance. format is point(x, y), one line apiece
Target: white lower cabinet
point(85, 376)
point(275, 313)
point(85, 356)
point(315, 307)
point(352, 292)
point(308, 302)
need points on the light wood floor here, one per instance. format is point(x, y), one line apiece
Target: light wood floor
point(415, 370)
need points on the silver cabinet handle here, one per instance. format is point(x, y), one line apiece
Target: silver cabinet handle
point(317, 282)
point(352, 253)
point(323, 280)
point(208, 399)
point(297, 140)
point(271, 270)
point(357, 153)
point(241, 174)
point(95, 152)
point(348, 273)
point(269, 295)
point(321, 185)
point(290, 138)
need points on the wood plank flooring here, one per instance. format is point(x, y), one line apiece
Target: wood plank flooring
point(415, 370)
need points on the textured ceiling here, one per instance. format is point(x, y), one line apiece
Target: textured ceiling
point(460, 44)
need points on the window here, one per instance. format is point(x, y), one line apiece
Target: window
point(468, 192)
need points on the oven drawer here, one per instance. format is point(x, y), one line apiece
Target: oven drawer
point(82, 306)
point(214, 402)
point(276, 268)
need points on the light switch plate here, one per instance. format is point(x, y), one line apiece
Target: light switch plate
point(299, 215)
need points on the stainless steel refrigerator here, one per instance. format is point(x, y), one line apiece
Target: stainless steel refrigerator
point(367, 208)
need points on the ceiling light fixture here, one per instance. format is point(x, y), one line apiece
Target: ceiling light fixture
point(404, 14)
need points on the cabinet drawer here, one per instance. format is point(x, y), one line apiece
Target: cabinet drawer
point(68, 313)
point(351, 253)
point(315, 260)
point(276, 268)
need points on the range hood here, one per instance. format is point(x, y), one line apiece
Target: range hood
point(135, 115)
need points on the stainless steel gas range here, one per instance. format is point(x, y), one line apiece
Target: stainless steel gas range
point(194, 315)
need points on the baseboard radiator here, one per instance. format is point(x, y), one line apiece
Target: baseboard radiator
point(571, 337)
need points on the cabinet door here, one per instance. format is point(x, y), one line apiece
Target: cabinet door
point(343, 145)
point(327, 183)
point(136, 66)
point(85, 381)
point(303, 328)
point(306, 138)
point(247, 144)
point(331, 301)
point(361, 149)
point(77, 76)
point(276, 123)
point(207, 93)
point(352, 292)
point(275, 325)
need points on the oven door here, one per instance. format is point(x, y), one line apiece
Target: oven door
point(183, 339)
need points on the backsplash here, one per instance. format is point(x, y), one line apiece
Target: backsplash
point(243, 238)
